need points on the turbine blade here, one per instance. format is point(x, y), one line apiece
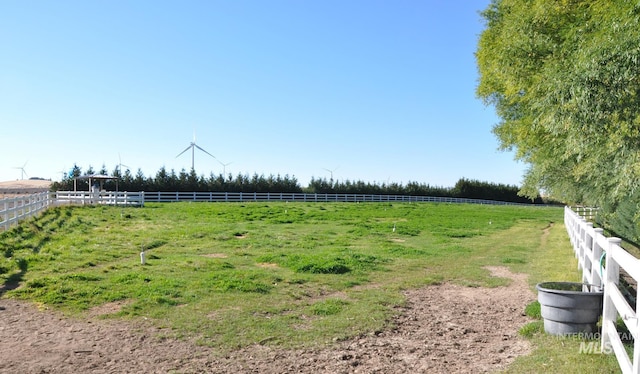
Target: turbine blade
point(186, 149)
point(200, 148)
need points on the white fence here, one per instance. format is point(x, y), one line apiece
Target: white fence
point(139, 198)
point(15, 209)
point(586, 212)
point(603, 271)
point(304, 197)
point(101, 198)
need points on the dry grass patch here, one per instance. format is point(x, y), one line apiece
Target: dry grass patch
point(267, 265)
point(215, 255)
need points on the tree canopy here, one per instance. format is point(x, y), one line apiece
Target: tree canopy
point(564, 78)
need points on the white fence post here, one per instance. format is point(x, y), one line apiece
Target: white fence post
point(596, 268)
point(5, 214)
point(611, 279)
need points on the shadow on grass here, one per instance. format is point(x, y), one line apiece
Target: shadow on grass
point(13, 281)
point(39, 230)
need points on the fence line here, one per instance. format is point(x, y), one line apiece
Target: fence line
point(586, 212)
point(13, 210)
point(101, 198)
point(304, 197)
point(589, 244)
point(16, 209)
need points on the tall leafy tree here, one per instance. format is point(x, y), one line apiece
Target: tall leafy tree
point(564, 77)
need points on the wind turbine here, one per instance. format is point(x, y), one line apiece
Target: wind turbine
point(23, 172)
point(193, 147)
point(63, 173)
point(120, 165)
point(331, 171)
point(224, 167)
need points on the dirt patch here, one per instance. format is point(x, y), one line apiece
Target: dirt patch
point(108, 308)
point(215, 255)
point(441, 329)
point(268, 265)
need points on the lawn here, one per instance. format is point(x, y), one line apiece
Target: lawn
point(286, 274)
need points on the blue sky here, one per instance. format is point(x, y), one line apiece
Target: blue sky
point(372, 90)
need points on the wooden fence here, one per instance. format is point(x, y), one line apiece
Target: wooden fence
point(601, 260)
point(99, 198)
point(586, 212)
point(304, 197)
point(15, 209)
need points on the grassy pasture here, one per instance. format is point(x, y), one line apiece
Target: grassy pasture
point(283, 274)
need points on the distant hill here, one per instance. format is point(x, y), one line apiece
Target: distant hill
point(24, 186)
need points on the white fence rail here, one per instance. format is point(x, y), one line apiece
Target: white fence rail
point(586, 212)
point(304, 197)
point(589, 244)
point(101, 198)
point(15, 209)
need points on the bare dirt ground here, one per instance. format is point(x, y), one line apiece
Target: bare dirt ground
point(443, 328)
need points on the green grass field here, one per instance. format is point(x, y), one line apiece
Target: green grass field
point(290, 275)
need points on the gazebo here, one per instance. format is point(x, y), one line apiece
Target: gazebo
point(94, 178)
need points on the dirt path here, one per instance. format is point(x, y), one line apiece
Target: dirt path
point(444, 328)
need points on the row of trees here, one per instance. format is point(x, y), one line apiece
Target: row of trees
point(170, 181)
point(564, 78)
point(183, 181)
point(464, 188)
